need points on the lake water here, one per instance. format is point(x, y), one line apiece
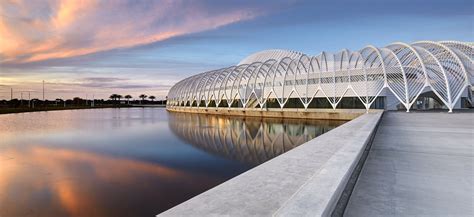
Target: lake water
point(130, 162)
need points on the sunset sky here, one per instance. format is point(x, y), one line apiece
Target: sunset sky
point(98, 48)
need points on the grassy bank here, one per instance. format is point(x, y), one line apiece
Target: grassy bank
point(40, 109)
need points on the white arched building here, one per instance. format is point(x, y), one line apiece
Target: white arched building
point(393, 77)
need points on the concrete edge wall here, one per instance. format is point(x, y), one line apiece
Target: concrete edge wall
point(321, 194)
point(322, 114)
point(318, 189)
point(340, 207)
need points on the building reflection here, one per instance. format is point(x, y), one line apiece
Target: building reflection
point(248, 140)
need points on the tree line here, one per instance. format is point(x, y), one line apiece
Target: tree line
point(114, 100)
point(143, 97)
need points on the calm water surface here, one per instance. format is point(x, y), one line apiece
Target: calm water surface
point(130, 162)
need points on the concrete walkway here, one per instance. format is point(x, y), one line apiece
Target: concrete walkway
point(420, 164)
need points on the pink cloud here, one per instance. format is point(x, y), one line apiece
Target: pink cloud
point(41, 30)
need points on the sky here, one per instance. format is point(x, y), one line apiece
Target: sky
point(85, 48)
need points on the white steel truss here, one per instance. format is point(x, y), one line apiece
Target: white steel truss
point(446, 67)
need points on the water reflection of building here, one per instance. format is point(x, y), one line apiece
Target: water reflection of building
point(249, 140)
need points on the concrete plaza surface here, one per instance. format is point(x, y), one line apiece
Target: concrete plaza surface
point(420, 164)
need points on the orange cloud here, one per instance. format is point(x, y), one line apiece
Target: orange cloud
point(75, 181)
point(36, 31)
point(69, 10)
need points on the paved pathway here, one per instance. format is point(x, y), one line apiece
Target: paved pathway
point(419, 164)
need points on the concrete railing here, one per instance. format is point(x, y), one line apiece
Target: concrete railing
point(306, 181)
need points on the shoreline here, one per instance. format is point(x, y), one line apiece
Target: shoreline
point(4, 111)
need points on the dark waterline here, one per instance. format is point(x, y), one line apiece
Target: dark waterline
point(130, 162)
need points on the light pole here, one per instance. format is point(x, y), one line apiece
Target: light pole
point(21, 98)
point(43, 91)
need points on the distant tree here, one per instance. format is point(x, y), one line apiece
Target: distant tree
point(128, 97)
point(35, 100)
point(77, 101)
point(152, 98)
point(119, 97)
point(69, 102)
point(58, 100)
point(113, 97)
point(143, 97)
point(14, 103)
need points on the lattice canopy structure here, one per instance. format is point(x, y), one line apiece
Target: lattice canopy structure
point(405, 70)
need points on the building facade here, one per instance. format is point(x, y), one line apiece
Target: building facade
point(421, 75)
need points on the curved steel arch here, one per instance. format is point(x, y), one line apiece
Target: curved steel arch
point(406, 70)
